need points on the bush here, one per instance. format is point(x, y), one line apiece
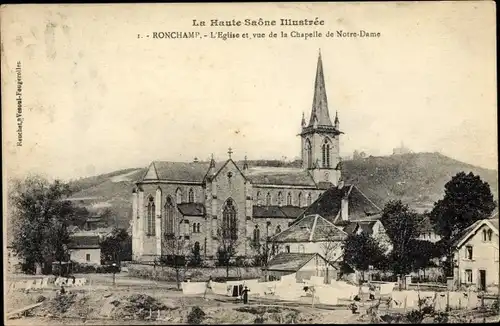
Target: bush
point(195, 317)
point(78, 268)
point(40, 298)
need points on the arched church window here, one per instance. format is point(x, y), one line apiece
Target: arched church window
point(278, 229)
point(289, 199)
point(268, 199)
point(299, 200)
point(194, 227)
point(151, 217)
point(326, 153)
point(191, 196)
point(168, 217)
point(490, 235)
point(302, 249)
point(280, 198)
point(178, 196)
point(256, 235)
point(259, 199)
point(229, 225)
point(484, 235)
point(309, 199)
point(309, 157)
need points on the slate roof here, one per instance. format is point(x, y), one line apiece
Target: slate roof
point(277, 211)
point(310, 228)
point(180, 171)
point(366, 227)
point(84, 242)
point(328, 205)
point(197, 171)
point(191, 209)
point(351, 228)
point(319, 110)
point(279, 176)
point(287, 261)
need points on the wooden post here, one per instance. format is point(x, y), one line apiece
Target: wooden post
point(447, 301)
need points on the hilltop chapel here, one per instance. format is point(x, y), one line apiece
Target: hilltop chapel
point(194, 201)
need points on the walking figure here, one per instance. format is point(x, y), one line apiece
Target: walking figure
point(371, 288)
point(209, 286)
point(245, 295)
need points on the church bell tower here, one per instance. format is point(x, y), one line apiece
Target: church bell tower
point(320, 138)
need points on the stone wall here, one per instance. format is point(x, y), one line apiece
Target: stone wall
point(194, 274)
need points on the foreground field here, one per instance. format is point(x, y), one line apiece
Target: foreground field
point(137, 302)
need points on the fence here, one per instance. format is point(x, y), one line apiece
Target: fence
point(46, 282)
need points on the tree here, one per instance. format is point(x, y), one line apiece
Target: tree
point(362, 251)
point(466, 199)
point(195, 256)
point(228, 239)
point(421, 253)
point(40, 215)
point(115, 247)
point(402, 225)
point(174, 251)
point(329, 248)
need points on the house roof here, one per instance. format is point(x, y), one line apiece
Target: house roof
point(310, 228)
point(351, 228)
point(191, 209)
point(84, 242)
point(277, 211)
point(472, 229)
point(328, 205)
point(279, 176)
point(287, 261)
point(291, 261)
point(367, 226)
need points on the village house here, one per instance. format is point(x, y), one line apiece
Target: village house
point(300, 265)
point(85, 249)
point(476, 261)
point(195, 201)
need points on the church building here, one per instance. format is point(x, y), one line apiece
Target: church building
point(206, 203)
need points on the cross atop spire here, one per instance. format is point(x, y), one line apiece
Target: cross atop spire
point(229, 152)
point(320, 103)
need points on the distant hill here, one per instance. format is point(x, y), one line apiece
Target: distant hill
point(417, 179)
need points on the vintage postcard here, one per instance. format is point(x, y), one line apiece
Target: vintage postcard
point(269, 163)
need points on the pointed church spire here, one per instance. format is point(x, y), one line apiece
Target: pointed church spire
point(303, 122)
point(336, 122)
point(320, 103)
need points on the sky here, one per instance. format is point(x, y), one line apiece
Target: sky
point(96, 98)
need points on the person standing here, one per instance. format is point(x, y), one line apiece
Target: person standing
point(245, 295)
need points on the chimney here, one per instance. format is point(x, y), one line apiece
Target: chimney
point(344, 209)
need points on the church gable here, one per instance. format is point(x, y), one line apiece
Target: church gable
point(230, 169)
point(151, 173)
